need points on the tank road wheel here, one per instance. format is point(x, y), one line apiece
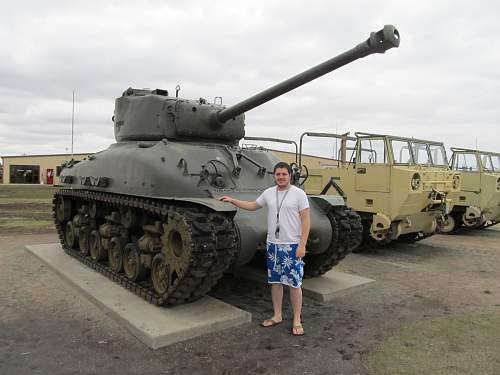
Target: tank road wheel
point(177, 244)
point(132, 265)
point(160, 274)
point(84, 240)
point(449, 224)
point(97, 252)
point(69, 235)
point(115, 254)
point(63, 209)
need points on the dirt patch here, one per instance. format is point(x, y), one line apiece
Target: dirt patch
point(46, 327)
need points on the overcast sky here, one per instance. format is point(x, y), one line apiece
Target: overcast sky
point(441, 84)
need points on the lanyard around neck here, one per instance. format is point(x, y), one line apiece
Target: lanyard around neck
point(278, 204)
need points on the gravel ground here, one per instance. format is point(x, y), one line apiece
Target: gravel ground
point(48, 328)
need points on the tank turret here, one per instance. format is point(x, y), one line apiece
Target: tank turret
point(154, 115)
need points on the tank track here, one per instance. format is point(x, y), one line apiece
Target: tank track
point(213, 247)
point(490, 224)
point(347, 235)
point(413, 237)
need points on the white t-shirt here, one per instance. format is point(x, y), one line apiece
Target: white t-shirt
point(289, 218)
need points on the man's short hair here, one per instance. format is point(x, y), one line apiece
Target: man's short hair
point(282, 164)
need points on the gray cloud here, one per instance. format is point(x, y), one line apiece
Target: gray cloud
point(441, 84)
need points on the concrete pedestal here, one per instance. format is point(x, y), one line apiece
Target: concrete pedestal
point(154, 326)
point(323, 288)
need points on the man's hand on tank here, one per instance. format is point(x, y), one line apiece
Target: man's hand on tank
point(227, 199)
point(301, 252)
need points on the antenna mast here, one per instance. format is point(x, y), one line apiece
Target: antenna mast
point(72, 123)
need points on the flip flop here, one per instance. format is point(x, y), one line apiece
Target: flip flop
point(298, 326)
point(270, 323)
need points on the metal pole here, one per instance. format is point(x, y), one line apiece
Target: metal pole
point(72, 123)
point(267, 139)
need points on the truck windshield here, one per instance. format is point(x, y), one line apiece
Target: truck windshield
point(487, 163)
point(421, 153)
point(438, 155)
point(372, 151)
point(401, 152)
point(495, 160)
point(465, 162)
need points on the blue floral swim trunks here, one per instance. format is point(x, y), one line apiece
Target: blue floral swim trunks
point(283, 266)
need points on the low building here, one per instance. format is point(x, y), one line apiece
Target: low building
point(35, 169)
point(45, 169)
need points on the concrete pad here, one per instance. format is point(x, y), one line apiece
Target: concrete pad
point(323, 288)
point(154, 326)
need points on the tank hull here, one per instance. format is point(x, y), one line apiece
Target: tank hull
point(145, 197)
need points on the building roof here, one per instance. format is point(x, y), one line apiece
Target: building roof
point(38, 155)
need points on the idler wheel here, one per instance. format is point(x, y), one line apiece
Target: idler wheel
point(69, 236)
point(132, 265)
point(160, 274)
point(97, 252)
point(115, 254)
point(63, 208)
point(84, 240)
point(177, 244)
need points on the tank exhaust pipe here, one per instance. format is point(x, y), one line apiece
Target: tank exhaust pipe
point(378, 42)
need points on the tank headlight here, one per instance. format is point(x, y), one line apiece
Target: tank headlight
point(456, 182)
point(415, 181)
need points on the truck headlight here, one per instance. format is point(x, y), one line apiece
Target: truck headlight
point(415, 181)
point(456, 182)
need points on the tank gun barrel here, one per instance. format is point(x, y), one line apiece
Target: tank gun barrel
point(378, 42)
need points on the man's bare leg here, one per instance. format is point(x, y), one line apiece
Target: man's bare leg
point(277, 297)
point(296, 300)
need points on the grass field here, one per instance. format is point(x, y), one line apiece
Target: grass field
point(462, 344)
point(26, 208)
point(26, 192)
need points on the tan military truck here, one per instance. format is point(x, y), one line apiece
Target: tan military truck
point(398, 185)
point(477, 204)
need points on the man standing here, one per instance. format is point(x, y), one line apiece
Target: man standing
point(288, 224)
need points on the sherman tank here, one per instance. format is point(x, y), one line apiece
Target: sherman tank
point(144, 212)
